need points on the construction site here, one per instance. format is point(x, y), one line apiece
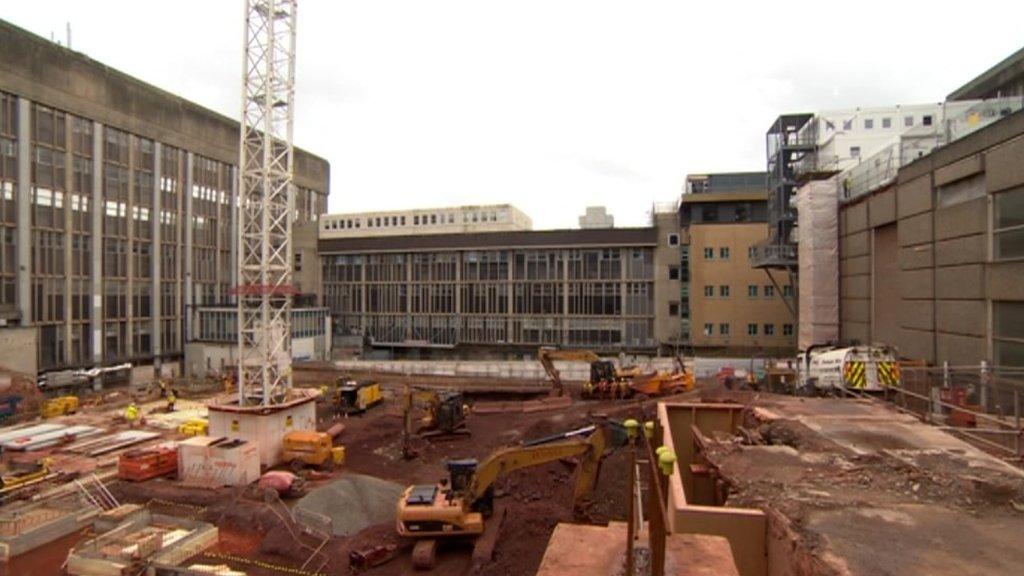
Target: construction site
point(274, 390)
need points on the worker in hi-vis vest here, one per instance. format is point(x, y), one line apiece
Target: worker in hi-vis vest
point(131, 414)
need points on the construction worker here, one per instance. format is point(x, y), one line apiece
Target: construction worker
point(170, 400)
point(131, 414)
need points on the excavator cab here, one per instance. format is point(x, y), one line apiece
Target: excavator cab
point(461, 473)
point(602, 371)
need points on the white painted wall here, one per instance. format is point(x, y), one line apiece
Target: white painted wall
point(448, 220)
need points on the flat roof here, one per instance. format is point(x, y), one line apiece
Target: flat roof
point(597, 237)
point(707, 197)
point(1005, 71)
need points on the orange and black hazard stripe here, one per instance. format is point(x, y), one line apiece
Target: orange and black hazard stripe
point(889, 373)
point(853, 374)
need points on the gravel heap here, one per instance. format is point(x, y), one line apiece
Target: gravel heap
point(353, 502)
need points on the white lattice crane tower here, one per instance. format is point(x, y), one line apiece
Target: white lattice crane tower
point(266, 199)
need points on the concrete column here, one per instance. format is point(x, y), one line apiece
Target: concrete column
point(96, 319)
point(623, 255)
point(187, 256)
point(458, 297)
point(69, 172)
point(234, 229)
point(129, 344)
point(565, 297)
point(408, 296)
point(24, 199)
point(156, 303)
point(510, 295)
point(363, 306)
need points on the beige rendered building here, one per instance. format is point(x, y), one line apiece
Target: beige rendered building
point(727, 304)
point(417, 222)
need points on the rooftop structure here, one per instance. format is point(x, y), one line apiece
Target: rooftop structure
point(418, 222)
point(1004, 80)
point(597, 217)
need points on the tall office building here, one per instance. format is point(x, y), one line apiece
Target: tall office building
point(118, 209)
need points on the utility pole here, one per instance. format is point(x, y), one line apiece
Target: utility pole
point(266, 200)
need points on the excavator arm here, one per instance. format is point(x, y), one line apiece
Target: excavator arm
point(589, 448)
point(547, 356)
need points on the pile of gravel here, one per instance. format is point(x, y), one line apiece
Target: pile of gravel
point(352, 502)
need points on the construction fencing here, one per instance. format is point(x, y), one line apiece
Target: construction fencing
point(981, 403)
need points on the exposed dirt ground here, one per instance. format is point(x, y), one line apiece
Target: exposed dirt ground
point(860, 490)
point(256, 539)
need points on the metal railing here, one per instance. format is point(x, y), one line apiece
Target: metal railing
point(982, 404)
point(881, 168)
point(768, 253)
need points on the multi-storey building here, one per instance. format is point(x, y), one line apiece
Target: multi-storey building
point(932, 252)
point(118, 207)
point(503, 292)
point(452, 220)
point(727, 304)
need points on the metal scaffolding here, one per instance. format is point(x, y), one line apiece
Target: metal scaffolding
point(266, 198)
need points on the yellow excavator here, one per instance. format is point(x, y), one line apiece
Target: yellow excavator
point(444, 415)
point(608, 381)
point(459, 506)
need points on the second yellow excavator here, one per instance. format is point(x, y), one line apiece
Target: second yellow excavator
point(458, 506)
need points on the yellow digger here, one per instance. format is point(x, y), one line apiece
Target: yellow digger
point(610, 382)
point(458, 506)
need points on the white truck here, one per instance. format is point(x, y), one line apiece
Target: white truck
point(856, 368)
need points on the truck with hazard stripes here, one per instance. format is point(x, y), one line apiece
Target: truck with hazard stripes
point(854, 368)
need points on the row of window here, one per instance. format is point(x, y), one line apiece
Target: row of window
point(400, 220)
point(752, 329)
point(886, 122)
point(724, 253)
point(767, 290)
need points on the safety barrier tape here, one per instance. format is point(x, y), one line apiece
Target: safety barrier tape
point(262, 564)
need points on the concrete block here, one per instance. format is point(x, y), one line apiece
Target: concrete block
point(914, 197)
point(856, 217)
point(962, 219)
point(958, 170)
point(965, 250)
point(213, 462)
point(856, 244)
point(915, 229)
point(917, 344)
point(855, 310)
point(916, 257)
point(851, 332)
point(916, 284)
point(1003, 166)
point(960, 282)
point(964, 317)
point(856, 286)
point(855, 265)
point(1004, 281)
point(882, 208)
point(917, 314)
point(960, 350)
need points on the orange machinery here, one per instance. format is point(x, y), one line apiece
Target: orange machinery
point(146, 463)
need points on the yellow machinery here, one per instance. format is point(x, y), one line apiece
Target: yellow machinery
point(194, 427)
point(444, 414)
point(608, 381)
point(59, 406)
point(459, 506)
point(15, 479)
point(311, 448)
point(351, 396)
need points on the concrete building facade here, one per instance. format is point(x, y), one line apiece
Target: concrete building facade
point(116, 207)
point(451, 220)
point(504, 292)
point(726, 304)
point(934, 262)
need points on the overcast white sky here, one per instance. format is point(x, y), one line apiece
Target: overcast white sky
point(551, 105)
